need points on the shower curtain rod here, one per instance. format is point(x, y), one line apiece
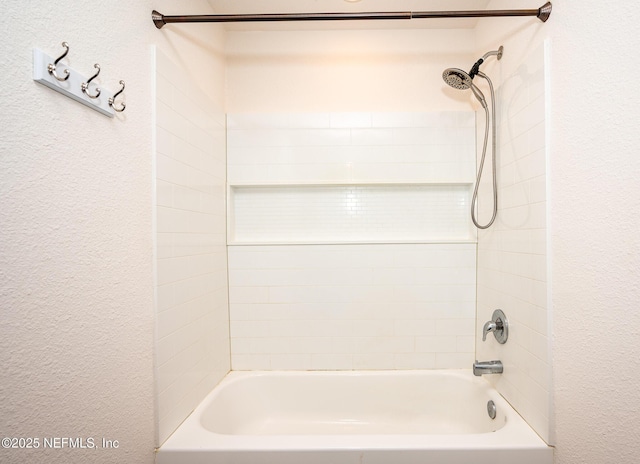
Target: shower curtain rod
point(160, 20)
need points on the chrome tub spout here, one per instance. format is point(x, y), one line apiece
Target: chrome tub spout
point(487, 367)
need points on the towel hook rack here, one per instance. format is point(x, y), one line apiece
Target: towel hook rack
point(48, 71)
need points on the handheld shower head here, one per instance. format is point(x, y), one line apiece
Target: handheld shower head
point(461, 80)
point(458, 79)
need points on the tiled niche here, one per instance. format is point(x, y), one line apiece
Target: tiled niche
point(359, 213)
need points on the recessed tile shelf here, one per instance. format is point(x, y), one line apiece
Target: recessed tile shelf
point(349, 213)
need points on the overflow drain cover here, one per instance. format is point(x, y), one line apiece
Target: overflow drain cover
point(491, 409)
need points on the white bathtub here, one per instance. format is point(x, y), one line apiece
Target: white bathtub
point(395, 417)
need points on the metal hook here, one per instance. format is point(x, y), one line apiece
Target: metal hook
point(85, 85)
point(113, 99)
point(51, 67)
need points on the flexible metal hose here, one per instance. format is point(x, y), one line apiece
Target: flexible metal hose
point(482, 159)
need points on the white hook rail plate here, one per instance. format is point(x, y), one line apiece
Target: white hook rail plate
point(72, 87)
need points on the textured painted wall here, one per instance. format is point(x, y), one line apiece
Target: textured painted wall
point(75, 221)
point(596, 247)
point(593, 221)
point(76, 287)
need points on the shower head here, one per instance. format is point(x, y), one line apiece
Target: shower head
point(461, 80)
point(457, 78)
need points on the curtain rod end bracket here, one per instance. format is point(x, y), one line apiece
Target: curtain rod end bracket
point(158, 19)
point(544, 12)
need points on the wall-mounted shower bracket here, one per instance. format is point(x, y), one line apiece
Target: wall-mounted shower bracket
point(498, 53)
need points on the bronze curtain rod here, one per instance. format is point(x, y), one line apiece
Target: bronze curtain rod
point(160, 20)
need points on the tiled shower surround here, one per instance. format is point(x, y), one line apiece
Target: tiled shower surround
point(512, 254)
point(409, 306)
point(350, 243)
point(192, 341)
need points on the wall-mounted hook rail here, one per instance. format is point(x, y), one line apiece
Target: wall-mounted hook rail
point(73, 85)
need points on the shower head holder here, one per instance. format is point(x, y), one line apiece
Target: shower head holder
point(475, 68)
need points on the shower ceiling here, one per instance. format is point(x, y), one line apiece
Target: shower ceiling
point(325, 6)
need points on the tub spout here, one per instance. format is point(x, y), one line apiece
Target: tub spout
point(487, 367)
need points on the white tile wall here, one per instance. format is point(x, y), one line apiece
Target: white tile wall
point(512, 259)
point(351, 147)
point(192, 339)
point(355, 306)
point(352, 306)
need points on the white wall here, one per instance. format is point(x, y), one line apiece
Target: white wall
point(192, 313)
point(352, 306)
point(594, 232)
point(389, 316)
point(512, 253)
point(197, 49)
point(593, 199)
point(191, 304)
point(76, 202)
point(367, 256)
point(77, 222)
point(362, 70)
point(76, 296)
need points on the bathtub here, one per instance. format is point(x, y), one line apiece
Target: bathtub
point(344, 417)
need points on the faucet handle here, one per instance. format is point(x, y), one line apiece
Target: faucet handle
point(498, 325)
point(489, 326)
